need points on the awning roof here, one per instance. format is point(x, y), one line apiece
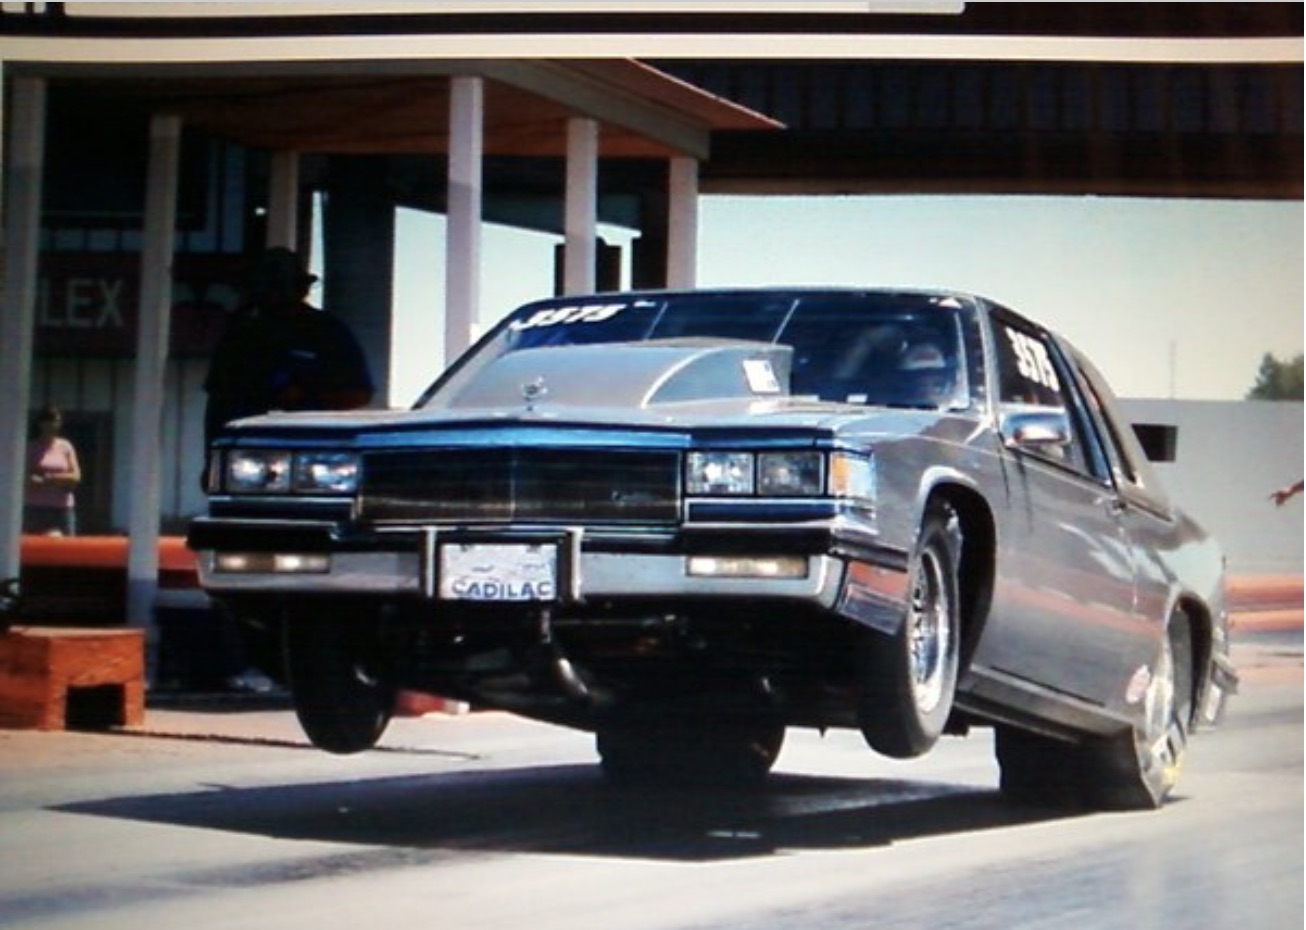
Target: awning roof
point(643, 111)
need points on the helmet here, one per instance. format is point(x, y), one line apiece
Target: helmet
point(922, 356)
point(925, 377)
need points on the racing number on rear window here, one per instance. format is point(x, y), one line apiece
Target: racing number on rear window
point(1032, 360)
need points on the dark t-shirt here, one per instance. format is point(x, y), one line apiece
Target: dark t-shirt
point(296, 361)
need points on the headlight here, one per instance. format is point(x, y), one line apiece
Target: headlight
point(326, 472)
point(258, 471)
point(790, 474)
point(805, 473)
point(719, 473)
point(279, 471)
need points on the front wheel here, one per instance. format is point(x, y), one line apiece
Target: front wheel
point(909, 677)
point(341, 695)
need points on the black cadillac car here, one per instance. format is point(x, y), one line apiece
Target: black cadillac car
point(686, 521)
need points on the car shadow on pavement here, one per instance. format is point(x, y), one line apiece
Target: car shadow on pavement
point(572, 809)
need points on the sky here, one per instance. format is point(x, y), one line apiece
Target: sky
point(1170, 298)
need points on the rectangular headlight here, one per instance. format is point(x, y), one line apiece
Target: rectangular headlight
point(326, 472)
point(726, 473)
point(258, 471)
point(791, 474)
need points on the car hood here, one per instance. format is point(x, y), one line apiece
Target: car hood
point(662, 384)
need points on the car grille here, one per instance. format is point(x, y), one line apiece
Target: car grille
point(570, 486)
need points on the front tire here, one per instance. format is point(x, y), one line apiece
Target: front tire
point(909, 678)
point(341, 695)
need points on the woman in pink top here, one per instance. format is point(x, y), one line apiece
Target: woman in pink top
point(52, 474)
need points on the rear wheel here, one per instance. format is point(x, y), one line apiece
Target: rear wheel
point(910, 677)
point(707, 751)
point(1039, 770)
point(341, 695)
point(1134, 770)
point(1138, 769)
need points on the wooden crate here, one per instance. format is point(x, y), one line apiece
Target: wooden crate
point(71, 678)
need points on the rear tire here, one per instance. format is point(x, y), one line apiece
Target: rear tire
point(1138, 769)
point(1038, 770)
point(341, 695)
point(1134, 770)
point(713, 751)
point(909, 678)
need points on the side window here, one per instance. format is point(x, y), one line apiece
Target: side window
point(1128, 462)
point(1031, 380)
point(1121, 468)
point(1026, 373)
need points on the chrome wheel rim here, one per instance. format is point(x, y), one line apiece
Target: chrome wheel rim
point(1161, 740)
point(929, 632)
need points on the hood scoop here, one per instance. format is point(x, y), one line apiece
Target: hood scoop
point(631, 375)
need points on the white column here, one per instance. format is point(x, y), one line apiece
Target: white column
point(283, 200)
point(682, 224)
point(581, 213)
point(21, 229)
point(151, 359)
point(463, 236)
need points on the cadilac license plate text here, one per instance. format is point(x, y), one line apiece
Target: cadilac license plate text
point(498, 571)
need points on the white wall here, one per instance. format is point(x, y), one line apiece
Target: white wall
point(1230, 455)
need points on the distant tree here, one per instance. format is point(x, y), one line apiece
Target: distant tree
point(1278, 380)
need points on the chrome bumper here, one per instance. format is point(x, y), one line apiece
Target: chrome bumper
point(843, 574)
point(598, 575)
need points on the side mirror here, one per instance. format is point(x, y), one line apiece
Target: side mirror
point(1038, 430)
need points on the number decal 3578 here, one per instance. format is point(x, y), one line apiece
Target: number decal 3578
point(1032, 360)
point(559, 315)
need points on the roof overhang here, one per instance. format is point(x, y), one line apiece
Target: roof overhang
point(400, 106)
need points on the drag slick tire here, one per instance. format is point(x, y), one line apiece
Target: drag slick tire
point(341, 696)
point(909, 678)
point(1139, 768)
point(1136, 769)
point(728, 751)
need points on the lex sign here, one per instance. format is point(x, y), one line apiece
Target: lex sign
point(88, 303)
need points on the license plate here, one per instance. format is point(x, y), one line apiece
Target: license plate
point(499, 572)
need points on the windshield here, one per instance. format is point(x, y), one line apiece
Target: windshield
point(888, 349)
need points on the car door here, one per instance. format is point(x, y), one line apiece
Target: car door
point(1146, 512)
point(1064, 608)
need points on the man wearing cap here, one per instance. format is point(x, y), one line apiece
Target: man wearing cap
point(277, 353)
point(281, 353)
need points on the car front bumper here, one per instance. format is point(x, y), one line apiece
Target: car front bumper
point(833, 566)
